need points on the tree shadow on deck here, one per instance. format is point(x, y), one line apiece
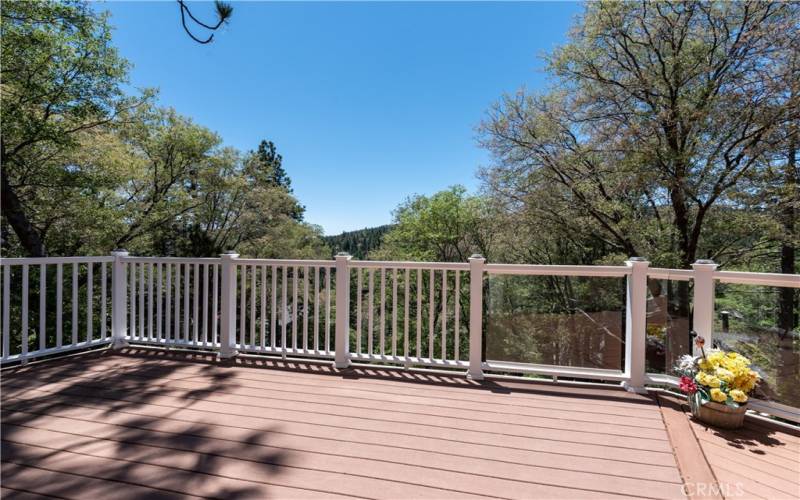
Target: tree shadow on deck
point(754, 435)
point(117, 424)
point(613, 393)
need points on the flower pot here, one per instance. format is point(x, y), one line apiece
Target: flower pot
point(716, 414)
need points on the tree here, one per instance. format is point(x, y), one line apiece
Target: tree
point(659, 111)
point(180, 192)
point(359, 243)
point(60, 79)
point(448, 226)
point(265, 167)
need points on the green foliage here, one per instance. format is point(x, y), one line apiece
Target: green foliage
point(359, 243)
point(447, 226)
point(660, 116)
point(91, 169)
point(264, 167)
point(60, 80)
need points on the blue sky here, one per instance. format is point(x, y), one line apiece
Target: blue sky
point(367, 102)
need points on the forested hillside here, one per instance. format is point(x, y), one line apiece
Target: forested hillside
point(358, 243)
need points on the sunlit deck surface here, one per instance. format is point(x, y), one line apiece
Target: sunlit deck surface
point(154, 423)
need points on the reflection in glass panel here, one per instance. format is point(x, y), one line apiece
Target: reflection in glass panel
point(668, 324)
point(761, 322)
point(556, 320)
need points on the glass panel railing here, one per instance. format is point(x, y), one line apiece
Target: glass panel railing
point(668, 324)
point(556, 320)
point(761, 322)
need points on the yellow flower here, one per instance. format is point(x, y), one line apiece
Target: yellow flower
point(718, 396)
point(725, 375)
point(707, 380)
point(738, 396)
point(715, 358)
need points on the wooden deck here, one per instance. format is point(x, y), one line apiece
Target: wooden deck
point(159, 424)
point(759, 461)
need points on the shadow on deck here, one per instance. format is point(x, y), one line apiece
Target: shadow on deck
point(157, 423)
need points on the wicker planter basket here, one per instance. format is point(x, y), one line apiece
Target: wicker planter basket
point(718, 415)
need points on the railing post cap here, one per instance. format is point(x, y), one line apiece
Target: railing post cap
point(229, 254)
point(343, 255)
point(476, 256)
point(704, 264)
point(637, 262)
point(120, 251)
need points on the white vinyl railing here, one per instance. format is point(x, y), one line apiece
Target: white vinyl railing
point(387, 331)
point(284, 306)
point(75, 316)
point(404, 313)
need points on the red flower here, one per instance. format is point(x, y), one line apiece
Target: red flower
point(687, 385)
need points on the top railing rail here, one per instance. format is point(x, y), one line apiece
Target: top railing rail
point(557, 270)
point(670, 274)
point(392, 264)
point(286, 262)
point(764, 279)
point(17, 261)
point(172, 260)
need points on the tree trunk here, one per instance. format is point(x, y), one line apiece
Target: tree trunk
point(786, 314)
point(686, 249)
point(14, 213)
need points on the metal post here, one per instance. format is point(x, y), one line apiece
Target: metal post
point(342, 356)
point(636, 325)
point(227, 348)
point(703, 303)
point(476, 265)
point(119, 300)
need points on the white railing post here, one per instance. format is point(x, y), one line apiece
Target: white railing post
point(227, 333)
point(119, 300)
point(342, 357)
point(476, 269)
point(636, 325)
point(703, 303)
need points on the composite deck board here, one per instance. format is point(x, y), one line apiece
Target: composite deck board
point(392, 479)
point(11, 494)
point(761, 459)
point(365, 408)
point(119, 427)
point(456, 445)
point(352, 397)
point(538, 396)
point(428, 383)
point(424, 426)
point(43, 481)
point(174, 425)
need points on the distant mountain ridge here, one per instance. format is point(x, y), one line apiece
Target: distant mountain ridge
point(358, 243)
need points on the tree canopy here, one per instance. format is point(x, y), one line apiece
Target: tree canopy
point(660, 116)
point(87, 168)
